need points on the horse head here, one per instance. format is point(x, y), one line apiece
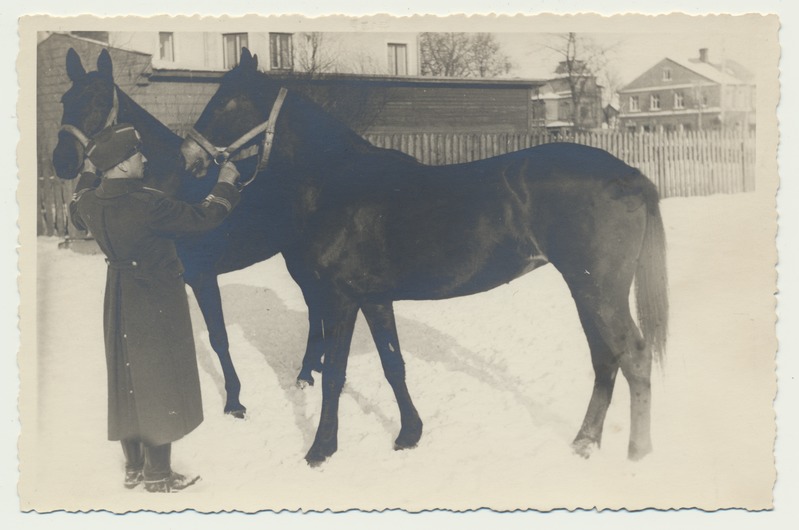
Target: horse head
point(233, 121)
point(90, 105)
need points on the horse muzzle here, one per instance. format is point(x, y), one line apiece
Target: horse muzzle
point(195, 159)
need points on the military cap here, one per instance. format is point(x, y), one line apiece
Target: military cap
point(113, 145)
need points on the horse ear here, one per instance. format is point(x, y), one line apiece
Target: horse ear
point(104, 64)
point(246, 60)
point(75, 68)
point(255, 61)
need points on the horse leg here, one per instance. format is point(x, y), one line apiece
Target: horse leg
point(380, 318)
point(637, 369)
point(206, 290)
point(338, 323)
point(606, 367)
point(314, 350)
point(607, 310)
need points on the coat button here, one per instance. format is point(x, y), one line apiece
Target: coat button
point(131, 392)
point(127, 364)
point(124, 335)
point(134, 264)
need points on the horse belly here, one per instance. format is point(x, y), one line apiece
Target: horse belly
point(467, 273)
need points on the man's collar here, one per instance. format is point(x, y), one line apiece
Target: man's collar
point(111, 188)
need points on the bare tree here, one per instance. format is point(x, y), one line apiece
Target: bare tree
point(315, 53)
point(582, 62)
point(461, 55)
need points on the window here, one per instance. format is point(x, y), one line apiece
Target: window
point(233, 43)
point(281, 54)
point(634, 106)
point(166, 46)
point(654, 102)
point(667, 74)
point(397, 59)
point(679, 100)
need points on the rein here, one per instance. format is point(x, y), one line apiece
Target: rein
point(111, 119)
point(234, 151)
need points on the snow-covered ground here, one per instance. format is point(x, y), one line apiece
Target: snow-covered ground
point(500, 379)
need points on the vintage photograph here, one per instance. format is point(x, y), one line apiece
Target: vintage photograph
point(368, 263)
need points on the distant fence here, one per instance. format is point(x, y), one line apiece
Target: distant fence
point(680, 164)
point(686, 164)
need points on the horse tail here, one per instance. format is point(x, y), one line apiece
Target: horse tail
point(651, 285)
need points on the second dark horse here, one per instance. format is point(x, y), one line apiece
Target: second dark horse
point(361, 227)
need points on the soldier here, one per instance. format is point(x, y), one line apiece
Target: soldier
point(153, 380)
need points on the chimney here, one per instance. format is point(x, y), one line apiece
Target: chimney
point(703, 55)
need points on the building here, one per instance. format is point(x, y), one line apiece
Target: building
point(554, 104)
point(351, 52)
point(687, 95)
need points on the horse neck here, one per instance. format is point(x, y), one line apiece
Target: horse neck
point(316, 137)
point(160, 145)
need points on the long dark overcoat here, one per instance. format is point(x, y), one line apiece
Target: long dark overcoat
point(153, 381)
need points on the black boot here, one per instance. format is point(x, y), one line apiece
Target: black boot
point(171, 484)
point(158, 474)
point(134, 463)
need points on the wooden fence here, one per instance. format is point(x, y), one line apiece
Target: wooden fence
point(680, 164)
point(686, 164)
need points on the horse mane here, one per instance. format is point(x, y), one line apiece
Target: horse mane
point(322, 131)
point(161, 147)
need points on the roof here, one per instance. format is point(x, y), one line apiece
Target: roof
point(70, 36)
point(175, 74)
point(707, 70)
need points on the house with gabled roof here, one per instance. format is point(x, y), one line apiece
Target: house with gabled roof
point(687, 95)
point(554, 104)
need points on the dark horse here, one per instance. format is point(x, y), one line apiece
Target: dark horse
point(361, 227)
point(93, 102)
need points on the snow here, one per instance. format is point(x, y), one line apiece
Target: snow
point(501, 380)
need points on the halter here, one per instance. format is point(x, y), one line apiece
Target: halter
point(111, 119)
point(234, 151)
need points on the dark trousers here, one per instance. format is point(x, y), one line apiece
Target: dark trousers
point(153, 460)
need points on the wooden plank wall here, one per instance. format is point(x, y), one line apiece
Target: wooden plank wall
point(681, 165)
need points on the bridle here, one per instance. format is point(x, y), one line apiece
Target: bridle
point(235, 152)
point(111, 119)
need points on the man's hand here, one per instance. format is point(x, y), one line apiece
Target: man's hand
point(228, 173)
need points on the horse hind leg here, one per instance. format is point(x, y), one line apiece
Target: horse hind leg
point(625, 348)
point(606, 367)
point(382, 324)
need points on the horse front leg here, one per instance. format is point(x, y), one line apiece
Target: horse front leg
point(338, 323)
point(382, 324)
point(206, 291)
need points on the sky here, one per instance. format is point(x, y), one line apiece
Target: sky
point(629, 54)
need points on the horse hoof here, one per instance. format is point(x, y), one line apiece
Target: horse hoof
point(635, 453)
point(317, 457)
point(408, 437)
point(584, 447)
point(304, 381)
point(239, 412)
